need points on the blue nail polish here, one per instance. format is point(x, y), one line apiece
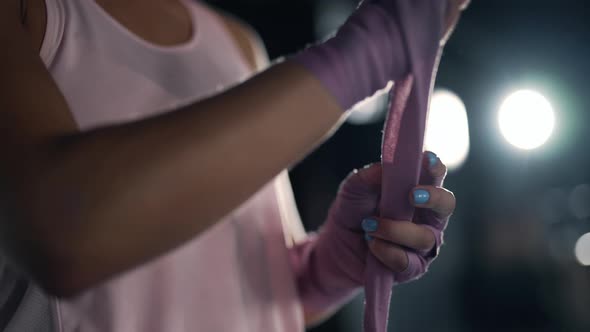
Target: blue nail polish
point(369, 225)
point(368, 237)
point(432, 158)
point(421, 196)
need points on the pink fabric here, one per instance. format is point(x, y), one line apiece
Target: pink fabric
point(234, 277)
point(351, 64)
point(403, 145)
point(330, 267)
point(382, 41)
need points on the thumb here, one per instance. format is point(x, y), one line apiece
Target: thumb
point(364, 180)
point(358, 197)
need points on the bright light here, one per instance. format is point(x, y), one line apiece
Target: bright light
point(447, 129)
point(370, 110)
point(526, 119)
point(583, 250)
point(330, 15)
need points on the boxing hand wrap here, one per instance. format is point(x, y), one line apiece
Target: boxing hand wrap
point(330, 265)
point(362, 57)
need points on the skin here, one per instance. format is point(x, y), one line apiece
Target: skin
point(391, 239)
point(70, 231)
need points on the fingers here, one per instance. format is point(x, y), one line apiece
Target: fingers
point(438, 200)
point(399, 258)
point(392, 256)
point(434, 172)
point(417, 266)
point(401, 233)
point(406, 264)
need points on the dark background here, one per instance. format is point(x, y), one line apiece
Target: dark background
point(508, 263)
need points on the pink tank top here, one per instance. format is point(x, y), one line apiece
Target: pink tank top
point(234, 277)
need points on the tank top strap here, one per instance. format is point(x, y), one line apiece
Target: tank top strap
point(54, 28)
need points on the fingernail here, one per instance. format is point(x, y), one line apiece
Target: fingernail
point(368, 237)
point(369, 225)
point(421, 196)
point(432, 158)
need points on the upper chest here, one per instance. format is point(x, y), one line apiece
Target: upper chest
point(110, 73)
point(161, 22)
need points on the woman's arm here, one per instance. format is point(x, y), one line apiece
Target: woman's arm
point(154, 183)
point(254, 52)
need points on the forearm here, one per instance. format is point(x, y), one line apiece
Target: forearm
point(110, 199)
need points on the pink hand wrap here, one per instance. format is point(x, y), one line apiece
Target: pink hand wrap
point(332, 266)
point(365, 54)
point(421, 23)
point(382, 41)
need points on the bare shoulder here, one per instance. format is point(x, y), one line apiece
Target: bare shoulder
point(247, 40)
point(24, 75)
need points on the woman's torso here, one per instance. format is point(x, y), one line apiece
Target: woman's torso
point(234, 277)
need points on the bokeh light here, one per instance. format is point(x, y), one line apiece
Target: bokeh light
point(330, 15)
point(582, 250)
point(526, 119)
point(372, 109)
point(447, 129)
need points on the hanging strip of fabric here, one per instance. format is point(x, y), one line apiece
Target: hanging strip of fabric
point(403, 137)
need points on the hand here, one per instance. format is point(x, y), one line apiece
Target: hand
point(408, 247)
point(330, 266)
point(405, 247)
point(372, 47)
